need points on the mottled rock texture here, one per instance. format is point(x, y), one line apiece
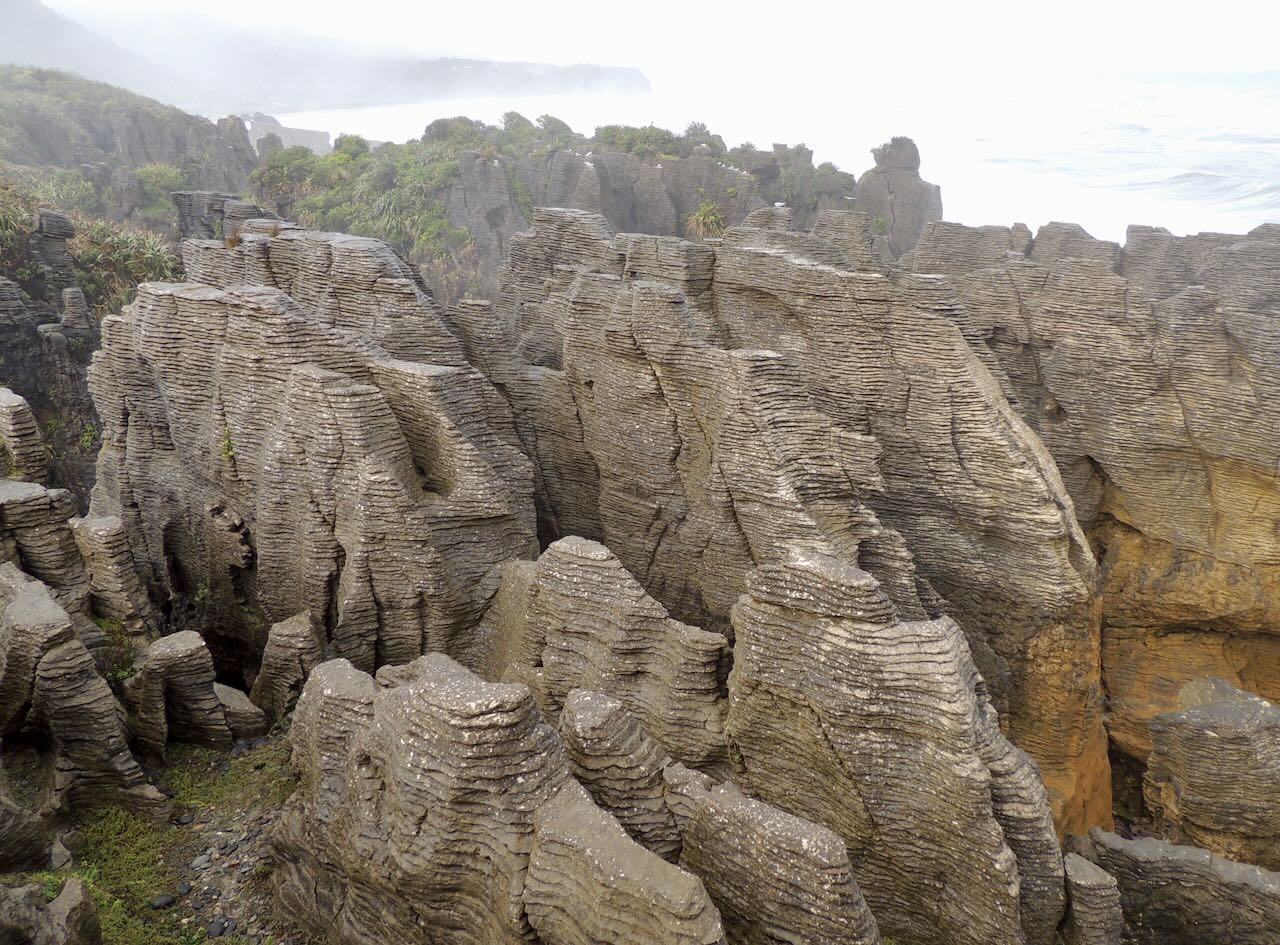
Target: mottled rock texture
point(1213, 775)
point(1150, 373)
point(698, 407)
point(436, 807)
point(1177, 895)
point(297, 429)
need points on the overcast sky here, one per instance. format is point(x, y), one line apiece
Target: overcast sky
point(868, 46)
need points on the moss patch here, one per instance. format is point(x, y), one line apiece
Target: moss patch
point(128, 860)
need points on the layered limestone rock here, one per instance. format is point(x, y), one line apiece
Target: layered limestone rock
point(172, 696)
point(298, 430)
point(36, 536)
point(576, 619)
point(614, 758)
point(1149, 372)
point(773, 876)
point(589, 883)
point(438, 807)
point(49, 250)
point(1213, 775)
point(1177, 895)
point(894, 194)
point(697, 408)
point(115, 588)
point(27, 917)
point(22, 454)
point(881, 729)
point(206, 215)
point(292, 651)
point(1094, 916)
point(49, 684)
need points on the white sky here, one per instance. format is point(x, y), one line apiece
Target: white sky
point(867, 47)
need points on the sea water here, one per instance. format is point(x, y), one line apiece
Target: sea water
point(1189, 152)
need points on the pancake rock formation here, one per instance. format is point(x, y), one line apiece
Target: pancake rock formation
point(296, 429)
point(1150, 373)
point(1178, 895)
point(698, 408)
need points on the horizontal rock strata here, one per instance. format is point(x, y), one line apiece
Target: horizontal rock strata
point(326, 450)
point(1178, 895)
point(943, 825)
point(1213, 776)
point(22, 454)
point(1149, 372)
point(1094, 916)
point(577, 619)
point(698, 407)
point(437, 807)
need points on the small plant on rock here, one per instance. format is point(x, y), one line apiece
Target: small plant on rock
point(707, 222)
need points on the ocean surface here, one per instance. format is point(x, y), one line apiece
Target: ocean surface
point(1189, 152)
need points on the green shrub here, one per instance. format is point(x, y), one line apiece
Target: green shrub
point(112, 259)
point(707, 222)
point(88, 436)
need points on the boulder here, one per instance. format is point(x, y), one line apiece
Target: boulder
point(27, 918)
point(22, 454)
point(173, 696)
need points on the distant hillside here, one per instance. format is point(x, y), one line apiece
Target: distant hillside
point(211, 67)
point(33, 35)
point(115, 147)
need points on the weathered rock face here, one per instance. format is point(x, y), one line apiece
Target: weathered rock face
point(320, 444)
point(614, 758)
point(45, 342)
point(945, 821)
point(1150, 374)
point(893, 194)
point(35, 535)
point(49, 684)
point(697, 408)
point(173, 696)
point(22, 454)
point(1094, 916)
point(206, 215)
point(292, 651)
point(27, 918)
point(1213, 775)
point(774, 877)
point(436, 807)
point(577, 619)
point(1176, 895)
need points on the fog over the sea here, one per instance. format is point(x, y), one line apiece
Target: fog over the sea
point(1098, 113)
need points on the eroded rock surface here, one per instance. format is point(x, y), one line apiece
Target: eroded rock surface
point(311, 441)
point(894, 193)
point(22, 454)
point(71, 918)
point(1150, 374)
point(1213, 776)
point(945, 822)
point(697, 408)
point(1177, 895)
point(1094, 916)
point(576, 619)
point(438, 807)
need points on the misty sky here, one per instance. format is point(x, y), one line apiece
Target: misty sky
point(863, 47)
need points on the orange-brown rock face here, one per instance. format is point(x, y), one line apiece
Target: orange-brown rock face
point(1151, 375)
